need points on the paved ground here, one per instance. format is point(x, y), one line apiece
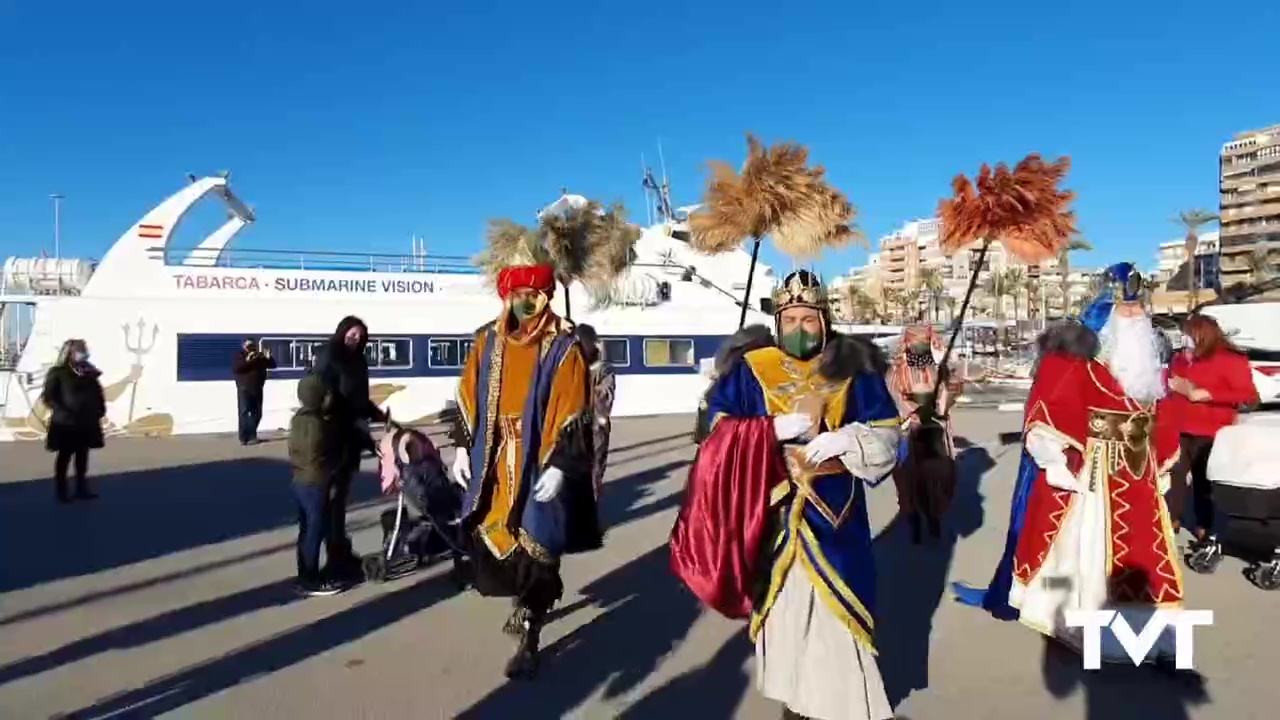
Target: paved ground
point(167, 597)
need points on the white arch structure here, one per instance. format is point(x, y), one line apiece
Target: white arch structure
point(137, 257)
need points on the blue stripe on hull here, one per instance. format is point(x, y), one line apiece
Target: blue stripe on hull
point(206, 357)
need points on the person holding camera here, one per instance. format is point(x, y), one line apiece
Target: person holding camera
point(250, 368)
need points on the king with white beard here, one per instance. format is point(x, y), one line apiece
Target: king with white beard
point(1090, 529)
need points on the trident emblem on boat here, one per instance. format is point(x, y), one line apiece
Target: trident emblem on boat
point(140, 348)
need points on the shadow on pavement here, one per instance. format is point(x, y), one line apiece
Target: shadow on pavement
point(912, 579)
point(647, 615)
point(143, 515)
point(272, 654)
point(1118, 692)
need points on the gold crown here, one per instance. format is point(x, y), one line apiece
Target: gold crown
point(800, 289)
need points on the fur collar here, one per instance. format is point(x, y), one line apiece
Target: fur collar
point(843, 357)
point(1068, 337)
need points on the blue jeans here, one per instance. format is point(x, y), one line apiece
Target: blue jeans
point(249, 407)
point(313, 522)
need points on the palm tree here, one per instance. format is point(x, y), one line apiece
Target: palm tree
point(1259, 261)
point(908, 300)
point(1064, 266)
point(1014, 279)
point(888, 299)
point(1193, 220)
point(997, 288)
point(1031, 286)
point(931, 281)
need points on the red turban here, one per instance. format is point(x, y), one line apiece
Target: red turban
point(538, 277)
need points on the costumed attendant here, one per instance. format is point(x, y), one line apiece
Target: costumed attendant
point(524, 444)
point(603, 387)
point(926, 473)
point(1089, 528)
point(774, 522)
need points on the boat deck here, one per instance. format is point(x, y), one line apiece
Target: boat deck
point(168, 596)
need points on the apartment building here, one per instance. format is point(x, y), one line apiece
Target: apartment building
point(1171, 255)
point(1249, 205)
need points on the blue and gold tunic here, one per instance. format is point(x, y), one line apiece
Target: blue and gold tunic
point(819, 514)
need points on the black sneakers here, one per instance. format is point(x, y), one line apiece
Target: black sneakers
point(318, 588)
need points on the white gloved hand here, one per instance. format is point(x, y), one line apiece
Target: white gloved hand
point(829, 445)
point(792, 426)
point(1060, 478)
point(462, 467)
point(548, 486)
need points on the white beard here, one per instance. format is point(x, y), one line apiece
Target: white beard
point(1132, 353)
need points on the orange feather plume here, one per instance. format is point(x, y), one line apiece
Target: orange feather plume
point(1023, 209)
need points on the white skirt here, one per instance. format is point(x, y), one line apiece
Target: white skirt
point(807, 659)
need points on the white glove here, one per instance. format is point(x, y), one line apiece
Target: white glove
point(1047, 452)
point(792, 426)
point(462, 467)
point(548, 486)
point(829, 445)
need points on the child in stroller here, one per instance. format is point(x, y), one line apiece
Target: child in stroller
point(409, 462)
point(1244, 467)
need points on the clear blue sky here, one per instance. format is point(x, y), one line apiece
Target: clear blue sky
point(353, 125)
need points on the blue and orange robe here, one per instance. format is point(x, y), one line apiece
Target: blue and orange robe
point(524, 406)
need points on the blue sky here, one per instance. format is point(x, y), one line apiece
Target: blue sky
point(355, 125)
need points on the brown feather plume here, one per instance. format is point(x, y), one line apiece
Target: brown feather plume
point(509, 243)
point(591, 244)
point(776, 194)
point(1022, 208)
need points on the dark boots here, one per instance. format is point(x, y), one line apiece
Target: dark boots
point(523, 665)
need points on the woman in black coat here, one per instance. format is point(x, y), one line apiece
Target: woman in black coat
point(341, 364)
point(76, 408)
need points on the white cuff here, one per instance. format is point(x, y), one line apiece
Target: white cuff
point(1060, 478)
point(877, 452)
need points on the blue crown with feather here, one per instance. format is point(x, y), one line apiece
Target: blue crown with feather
point(1121, 283)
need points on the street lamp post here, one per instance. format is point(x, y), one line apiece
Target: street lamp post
point(57, 223)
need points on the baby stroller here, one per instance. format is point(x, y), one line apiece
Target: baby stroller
point(409, 462)
point(1244, 468)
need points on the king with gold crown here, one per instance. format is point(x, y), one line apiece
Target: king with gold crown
point(524, 442)
point(774, 523)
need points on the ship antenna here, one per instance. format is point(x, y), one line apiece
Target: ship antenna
point(648, 209)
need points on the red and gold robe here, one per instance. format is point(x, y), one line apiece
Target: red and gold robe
point(1109, 543)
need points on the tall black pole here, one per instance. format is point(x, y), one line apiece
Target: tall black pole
point(751, 274)
point(959, 322)
point(568, 313)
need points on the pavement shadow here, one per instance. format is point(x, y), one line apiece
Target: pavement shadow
point(272, 654)
point(647, 615)
point(650, 441)
point(911, 580)
point(154, 629)
point(1120, 692)
point(714, 690)
point(142, 515)
point(620, 500)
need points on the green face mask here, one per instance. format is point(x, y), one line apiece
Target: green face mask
point(799, 343)
point(524, 309)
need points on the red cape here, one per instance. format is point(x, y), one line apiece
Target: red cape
point(715, 544)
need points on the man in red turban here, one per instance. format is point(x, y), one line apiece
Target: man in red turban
point(524, 447)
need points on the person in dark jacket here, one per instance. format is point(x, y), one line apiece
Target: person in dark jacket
point(74, 397)
point(315, 456)
point(250, 368)
point(342, 367)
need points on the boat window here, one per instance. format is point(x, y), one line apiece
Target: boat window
point(616, 351)
point(303, 352)
point(668, 353)
point(390, 353)
point(448, 352)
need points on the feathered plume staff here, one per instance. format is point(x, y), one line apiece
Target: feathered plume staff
point(778, 195)
point(1023, 209)
point(590, 244)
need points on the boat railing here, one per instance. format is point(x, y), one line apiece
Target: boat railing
point(268, 259)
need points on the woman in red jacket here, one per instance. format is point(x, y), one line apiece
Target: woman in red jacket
point(1210, 379)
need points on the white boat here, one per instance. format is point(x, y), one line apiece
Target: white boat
point(163, 322)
